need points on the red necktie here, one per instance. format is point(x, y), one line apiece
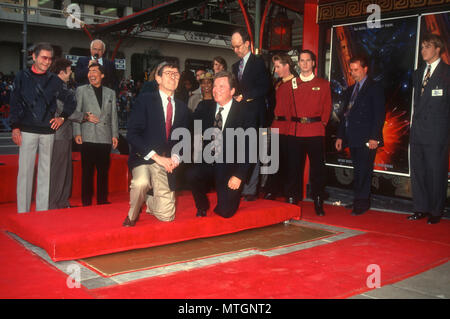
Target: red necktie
point(169, 117)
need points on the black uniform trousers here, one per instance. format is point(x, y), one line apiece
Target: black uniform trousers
point(298, 148)
point(94, 156)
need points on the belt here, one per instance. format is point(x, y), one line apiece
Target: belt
point(305, 120)
point(249, 100)
point(280, 118)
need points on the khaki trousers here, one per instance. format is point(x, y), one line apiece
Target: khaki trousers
point(162, 203)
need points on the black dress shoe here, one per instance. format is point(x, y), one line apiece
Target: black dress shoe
point(201, 213)
point(250, 198)
point(358, 211)
point(270, 196)
point(292, 200)
point(104, 203)
point(318, 206)
point(128, 223)
point(417, 216)
point(434, 219)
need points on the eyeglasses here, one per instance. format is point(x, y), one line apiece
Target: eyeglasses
point(237, 47)
point(46, 58)
point(171, 74)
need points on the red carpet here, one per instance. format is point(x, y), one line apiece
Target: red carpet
point(24, 275)
point(336, 270)
point(81, 232)
point(383, 222)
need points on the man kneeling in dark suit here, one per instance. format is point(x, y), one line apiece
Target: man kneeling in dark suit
point(229, 173)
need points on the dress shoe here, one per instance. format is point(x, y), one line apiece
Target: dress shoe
point(434, 219)
point(292, 200)
point(358, 211)
point(201, 213)
point(104, 203)
point(128, 223)
point(270, 196)
point(318, 206)
point(250, 198)
point(417, 216)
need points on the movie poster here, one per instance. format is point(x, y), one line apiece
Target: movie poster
point(391, 50)
point(437, 23)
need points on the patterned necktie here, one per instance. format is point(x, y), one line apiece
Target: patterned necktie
point(218, 122)
point(353, 97)
point(169, 117)
point(241, 69)
point(425, 79)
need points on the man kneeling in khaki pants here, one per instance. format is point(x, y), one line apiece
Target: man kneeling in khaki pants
point(153, 118)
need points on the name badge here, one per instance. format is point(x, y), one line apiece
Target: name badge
point(316, 88)
point(437, 92)
point(294, 83)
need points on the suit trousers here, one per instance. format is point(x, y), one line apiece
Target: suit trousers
point(31, 144)
point(298, 148)
point(94, 156)
point(276, 183)
point(202, 176)
point(429, 170)
point(162, 203)
point(61, 174)
point(363, 159)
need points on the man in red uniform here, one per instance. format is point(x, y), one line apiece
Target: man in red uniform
point(310, 114)
point(284, 68)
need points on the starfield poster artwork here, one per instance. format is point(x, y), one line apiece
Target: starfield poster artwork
point(391, 50)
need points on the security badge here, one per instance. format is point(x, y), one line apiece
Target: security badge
point(437, 92)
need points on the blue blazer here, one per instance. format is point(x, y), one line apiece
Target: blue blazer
point(81, 72)
point(146, 129)
point(254, 85)
point(366, 117)
point(431, 118)
point(240, 116)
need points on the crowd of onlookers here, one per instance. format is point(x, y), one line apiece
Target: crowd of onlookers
point(6, 81)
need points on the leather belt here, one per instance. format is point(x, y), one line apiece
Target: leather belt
point(305, 120)
point(280, 118)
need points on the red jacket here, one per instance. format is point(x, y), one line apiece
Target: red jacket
point(312, 99)
point(284, 102)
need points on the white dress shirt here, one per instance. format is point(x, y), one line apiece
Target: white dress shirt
point(226, 110)
point(165, 101)
point(433, 67)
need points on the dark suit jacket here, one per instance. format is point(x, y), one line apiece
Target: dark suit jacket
point(81, 72)
point(366, 117)
point(239, 116)
point(147, 129)
point(431, 118)
point(254, 85)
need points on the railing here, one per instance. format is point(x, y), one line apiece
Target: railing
point(14, 12)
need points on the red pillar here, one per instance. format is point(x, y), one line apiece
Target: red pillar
point(310, 27)
point(310, 42)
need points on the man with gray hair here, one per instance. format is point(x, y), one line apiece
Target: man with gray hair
point(98, 49)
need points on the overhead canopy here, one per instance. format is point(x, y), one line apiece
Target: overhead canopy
point(170, 14)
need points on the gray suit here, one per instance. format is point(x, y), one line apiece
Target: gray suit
point(108, 127)
point(97, 140)
point(61, 165)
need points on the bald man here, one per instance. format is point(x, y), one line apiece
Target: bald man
point(97, 49)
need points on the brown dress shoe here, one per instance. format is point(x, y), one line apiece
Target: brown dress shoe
point(128, 223)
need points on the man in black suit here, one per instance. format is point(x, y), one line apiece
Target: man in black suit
point(362, 130)
point(253, 85)
point(152, 120)
point(429, 139)
point(82, 68)
point(229, 173)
